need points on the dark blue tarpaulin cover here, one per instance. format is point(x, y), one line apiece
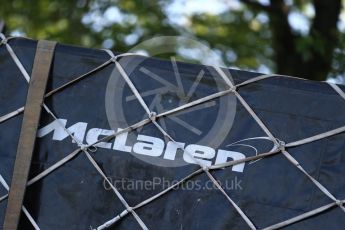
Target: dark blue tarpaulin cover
point(269, 191)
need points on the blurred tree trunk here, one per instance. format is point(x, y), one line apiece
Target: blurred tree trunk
point(2, 26)
point(313, 62)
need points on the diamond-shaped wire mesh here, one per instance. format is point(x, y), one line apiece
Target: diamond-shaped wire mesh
point(289, 153)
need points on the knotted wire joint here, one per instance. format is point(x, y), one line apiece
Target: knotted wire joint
point(83, 147)
point(339, 203)
point(115, 58)
point(205, 168)
point(233, 89)
point(153, 116)
point(280, 145)
point(129, 209)
point(90, 148)
point(3, 41)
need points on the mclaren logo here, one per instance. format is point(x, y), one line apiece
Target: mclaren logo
point(144, 145)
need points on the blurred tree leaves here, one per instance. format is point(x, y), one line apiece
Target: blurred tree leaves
point(256, 35)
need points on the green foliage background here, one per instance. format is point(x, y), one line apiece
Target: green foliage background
point(254, 36)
